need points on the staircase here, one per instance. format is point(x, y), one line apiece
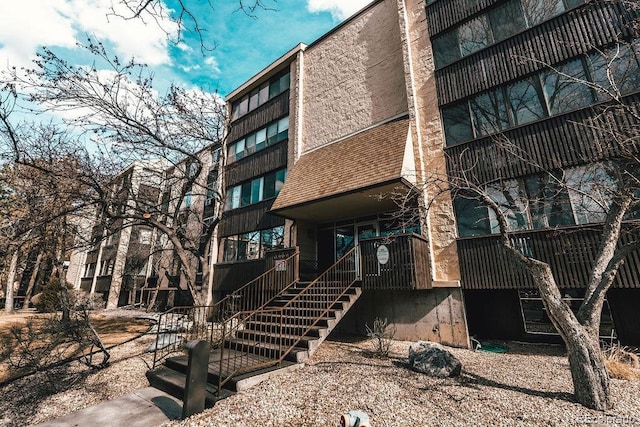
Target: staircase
point(287, 324)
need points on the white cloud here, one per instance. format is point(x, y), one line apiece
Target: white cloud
point(213, 64)
point(26, 25)
point(339, 9)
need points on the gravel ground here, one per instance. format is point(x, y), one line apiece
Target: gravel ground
point(529, 385)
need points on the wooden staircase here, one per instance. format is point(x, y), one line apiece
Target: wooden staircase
point(276, 336)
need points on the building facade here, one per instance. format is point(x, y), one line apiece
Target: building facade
point(520, 85)
point(353, 121)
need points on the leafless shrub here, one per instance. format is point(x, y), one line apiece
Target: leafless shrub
point(383, 335)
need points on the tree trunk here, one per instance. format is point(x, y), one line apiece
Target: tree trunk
point(13, 270)
point(32, 282)
point(591, 384)
point(588, 372)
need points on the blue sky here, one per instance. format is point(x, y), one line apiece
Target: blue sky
point(244, 44)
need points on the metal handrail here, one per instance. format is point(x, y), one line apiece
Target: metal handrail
point(311, 304)
point(178, 325)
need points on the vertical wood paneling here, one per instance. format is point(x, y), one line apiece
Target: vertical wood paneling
point(561, 141)
point(564, 37)
point(260, 117)
point(570, 254)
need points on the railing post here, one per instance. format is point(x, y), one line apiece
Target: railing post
point(196, 386)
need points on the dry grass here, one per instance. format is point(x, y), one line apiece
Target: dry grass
point(622, 362)
point(112, 331)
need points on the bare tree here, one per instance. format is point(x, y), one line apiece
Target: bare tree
point(118, 110)
point(184, 15)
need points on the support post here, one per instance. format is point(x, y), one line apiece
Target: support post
point(196, 386)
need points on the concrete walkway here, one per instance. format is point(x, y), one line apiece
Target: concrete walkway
point(143, 408)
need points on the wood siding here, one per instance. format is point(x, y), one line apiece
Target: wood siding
point(249, 218)
point(272, 110)
point(566, 36)
point(260, 163)
point(570, 254)
point(443, 14)
point(229, 277)
point(561, 141)
point(407, 268)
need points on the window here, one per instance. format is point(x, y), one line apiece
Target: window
point(256, 190)
point(252, 245)
point(578, 195)
point(457, 123)
point(591, 190)
point(615, 70)
point(489, 113)
point(548, 93)
point(549, 203)
point(474, 35)
point(257, 97)
point(212, 183)
point(445, 48)
point(537, 11)
point(472, 216)
point(526, 101)
point(187, 200)
point(272, 134)
point(144, 236)
point(512, 201)
point(564, 89)
point(507, 20)
point(496, 25)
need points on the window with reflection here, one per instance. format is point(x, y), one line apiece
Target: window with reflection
point(507, 20)
point(472, 216)
point(252, 245)
point(275, 132)
point(489, 112)
point(511, 198)
point(549, 202)
point(457, 123)
point(526, 100)
point(616, 71)
point(474, 35)
point(256, 190)
point(564, 87)
point(259, 96)
point(591, 191)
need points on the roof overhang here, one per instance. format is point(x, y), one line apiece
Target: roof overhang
point(352, 204)
point(344, 179)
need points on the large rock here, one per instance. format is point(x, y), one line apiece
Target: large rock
point(433, 359)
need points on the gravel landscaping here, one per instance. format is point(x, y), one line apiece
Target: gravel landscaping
point(529, 385)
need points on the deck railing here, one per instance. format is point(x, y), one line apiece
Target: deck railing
point(396, 262)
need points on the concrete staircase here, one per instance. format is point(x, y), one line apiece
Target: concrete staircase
point(271, 340)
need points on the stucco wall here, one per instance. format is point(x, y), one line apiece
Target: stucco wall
point(354, 78)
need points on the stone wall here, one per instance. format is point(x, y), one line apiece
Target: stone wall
point(354, 77)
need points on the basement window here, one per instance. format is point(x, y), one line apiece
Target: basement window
point(537, 321)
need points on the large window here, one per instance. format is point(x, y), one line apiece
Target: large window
point(259, 96)
point(496, 25)
point(550, 92)
point(256, 190)
point(273, 133)
point(252, 245)
point(578, 195)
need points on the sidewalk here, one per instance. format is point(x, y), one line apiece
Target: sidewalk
point(147, 407)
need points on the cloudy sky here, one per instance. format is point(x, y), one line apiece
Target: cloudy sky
point(243, 44)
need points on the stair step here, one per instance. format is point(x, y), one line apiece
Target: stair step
point(233, 360)
point(273, 327)
point(297, 354)
point(267, 337)
point(173, 382)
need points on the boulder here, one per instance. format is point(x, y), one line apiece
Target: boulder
point(433, 359)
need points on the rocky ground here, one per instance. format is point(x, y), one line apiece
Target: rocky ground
point(529, 385)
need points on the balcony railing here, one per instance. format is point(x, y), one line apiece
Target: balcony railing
point(397, 262)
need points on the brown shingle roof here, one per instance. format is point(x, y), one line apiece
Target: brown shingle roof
point(365, 159)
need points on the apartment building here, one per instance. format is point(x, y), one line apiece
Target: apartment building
point(315, 140)
point(520, 87)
